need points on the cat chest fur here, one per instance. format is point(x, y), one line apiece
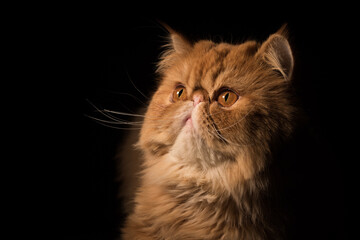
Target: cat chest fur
point(186, 209)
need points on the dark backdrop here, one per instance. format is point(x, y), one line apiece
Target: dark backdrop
point(109, 53)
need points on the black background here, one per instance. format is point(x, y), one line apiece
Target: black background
point(104, 54)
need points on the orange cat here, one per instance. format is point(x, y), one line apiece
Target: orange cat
point(207, 141)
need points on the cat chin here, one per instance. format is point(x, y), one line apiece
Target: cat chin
point(190, 148)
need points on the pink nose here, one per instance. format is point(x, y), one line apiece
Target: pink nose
point(198, 97)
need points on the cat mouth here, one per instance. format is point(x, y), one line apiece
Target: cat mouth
point(190, 117)
point(188, 120)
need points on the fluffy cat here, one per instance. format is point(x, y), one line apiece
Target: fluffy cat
point(207, 141)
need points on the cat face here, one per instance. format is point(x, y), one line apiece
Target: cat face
point(218, 101)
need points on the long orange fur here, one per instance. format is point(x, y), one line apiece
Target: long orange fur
point(209, 179)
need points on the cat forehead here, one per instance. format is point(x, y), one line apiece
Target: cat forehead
point(208, 62)
point(207, 46)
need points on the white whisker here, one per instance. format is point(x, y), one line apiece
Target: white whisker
point(118, 128)
point(103, 113)
point(135, 86)
point(115, 122)
point(124, 113)
point(130, 95)
point(241, 119)
point(216, 132)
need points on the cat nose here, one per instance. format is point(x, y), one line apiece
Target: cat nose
point(197, 98)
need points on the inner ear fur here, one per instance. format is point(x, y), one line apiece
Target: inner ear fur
point(177, 41)
point(177, 46)
point(277, 53)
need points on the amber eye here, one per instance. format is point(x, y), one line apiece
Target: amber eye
point(179, 94)
point(227, 98)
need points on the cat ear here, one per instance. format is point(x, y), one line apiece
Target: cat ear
point(277, 53)
point(177, 41)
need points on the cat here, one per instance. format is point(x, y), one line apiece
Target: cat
point(207, 140)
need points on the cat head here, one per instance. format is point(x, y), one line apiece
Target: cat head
point(220, 103)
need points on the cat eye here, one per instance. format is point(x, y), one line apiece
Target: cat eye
point(179, 94)
point(227, 98)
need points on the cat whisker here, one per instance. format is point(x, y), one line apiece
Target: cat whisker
point(107, 113)
point(124, 113)
point(216, 131)
point(223, 139)
point(119, 128)
point(115, 122)
point(104, 113)
point(218, 135)
point(241, 119)
point(158, 119)
point(127, 73)
point(130, 95)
